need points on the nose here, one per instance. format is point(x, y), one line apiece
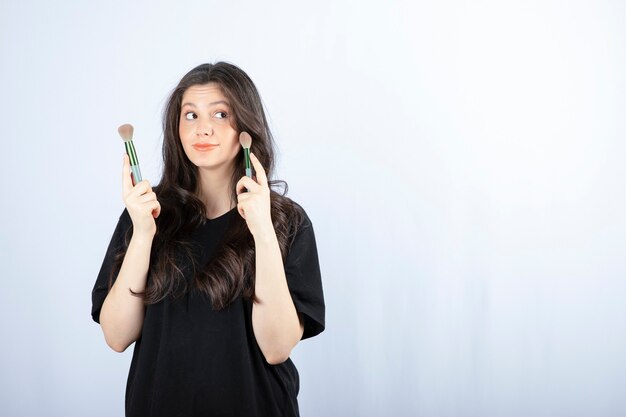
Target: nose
point(204, 129)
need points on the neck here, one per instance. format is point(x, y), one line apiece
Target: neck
point(214, 191)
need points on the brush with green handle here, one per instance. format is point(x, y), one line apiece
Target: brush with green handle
point(245, 140)
point(126, 132)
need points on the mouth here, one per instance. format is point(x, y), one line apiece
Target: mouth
point(204, 146)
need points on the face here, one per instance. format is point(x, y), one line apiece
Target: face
point(206, 119)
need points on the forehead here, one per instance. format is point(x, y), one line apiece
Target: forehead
point(204, 95)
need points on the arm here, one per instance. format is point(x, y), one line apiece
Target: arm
point(121, 317)
point(276, 324)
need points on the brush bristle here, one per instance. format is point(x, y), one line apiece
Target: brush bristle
point(126, 132)
point(245, 140)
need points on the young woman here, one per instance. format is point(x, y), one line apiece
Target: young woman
point(212, 274)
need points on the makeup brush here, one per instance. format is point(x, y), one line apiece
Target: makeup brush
point(126, 132)
point(246, 141)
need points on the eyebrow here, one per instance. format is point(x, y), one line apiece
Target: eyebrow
point(210, 104)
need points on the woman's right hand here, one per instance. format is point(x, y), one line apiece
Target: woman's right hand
point(140, 201)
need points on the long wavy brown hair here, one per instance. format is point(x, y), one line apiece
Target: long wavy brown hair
point(231, 272)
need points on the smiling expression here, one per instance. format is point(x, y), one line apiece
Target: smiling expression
point(206, 127)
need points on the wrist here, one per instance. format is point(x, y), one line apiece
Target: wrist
point(142, 238)
point(265, 236)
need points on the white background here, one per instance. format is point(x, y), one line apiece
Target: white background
point(462, 163)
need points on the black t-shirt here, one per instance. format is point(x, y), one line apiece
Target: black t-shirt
point(193, 361)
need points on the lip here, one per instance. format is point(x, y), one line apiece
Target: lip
point(205, 146)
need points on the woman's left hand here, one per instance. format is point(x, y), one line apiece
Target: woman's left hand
point(254, 205)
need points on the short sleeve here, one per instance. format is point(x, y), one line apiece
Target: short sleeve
point(304, 279)
point(101, 287)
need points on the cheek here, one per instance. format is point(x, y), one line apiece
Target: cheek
point(183, 132)
point(229, 137)
point(235, 147)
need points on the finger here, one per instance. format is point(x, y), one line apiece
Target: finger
point(240, 187)
point(241, 198)
point(127, 184)
point(247, 182)
point(157, 210)
point(153, 207)
point(141, 188)
point(260, 172)
point(149, 196)
point(241, 212)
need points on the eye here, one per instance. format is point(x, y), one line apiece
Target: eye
point(225, 115)
point(189, 112)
